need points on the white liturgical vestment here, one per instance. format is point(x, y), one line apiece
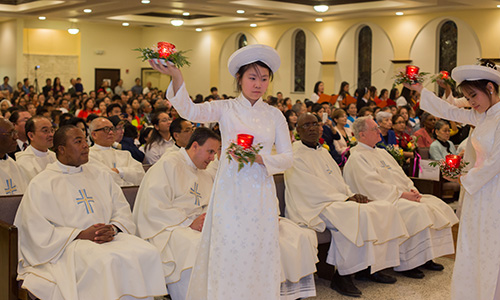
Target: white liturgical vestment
point(363, 234)
point(131, 171)
point(172, 195)
point(12, 179)
point(476, 272)
point(32, 161)
point(239, 251)
point(376, 174)
point(56, 207)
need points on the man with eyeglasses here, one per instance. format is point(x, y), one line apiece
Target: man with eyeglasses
point(365, 235)
point(375, 173)
point(12, 180)
point(125, 170)
point(37, 156)
point(18, 119)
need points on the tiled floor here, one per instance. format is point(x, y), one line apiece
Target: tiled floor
point(434, 286)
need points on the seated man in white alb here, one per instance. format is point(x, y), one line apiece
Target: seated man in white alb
point(375, 173)
point(126, 171)
point(365, 236)
point(170, 210)
point(12, 179)
point(37, 156)
point(180, 131)
point(76, 233)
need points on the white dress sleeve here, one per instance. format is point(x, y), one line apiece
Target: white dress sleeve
point(442, 109)
point(283, 160)
point(199, 113)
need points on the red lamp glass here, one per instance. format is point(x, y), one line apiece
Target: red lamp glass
point(245, 140)
point(444, 74)
point(453, 161)
point(412, 71)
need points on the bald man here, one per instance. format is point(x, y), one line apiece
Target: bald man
point(12, 179)
point(125, 170)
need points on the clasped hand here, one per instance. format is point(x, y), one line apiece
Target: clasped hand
point(99, 233)
point(412, 195)
point(359, 198)
point(198, 222)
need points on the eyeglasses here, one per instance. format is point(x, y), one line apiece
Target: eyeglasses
point(12, 133)
point(309, 125)
point(106, 129)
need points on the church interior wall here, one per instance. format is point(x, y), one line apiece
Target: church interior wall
point(411, 37)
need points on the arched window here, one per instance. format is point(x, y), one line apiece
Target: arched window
point(299, 61)
point(448, 41)
point(365, 57)
point(242, 41)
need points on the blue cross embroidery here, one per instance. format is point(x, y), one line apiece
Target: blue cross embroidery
point(197, 195)
point(11, 188)
point(86, 200)
point(328, 170)
point(384, 165)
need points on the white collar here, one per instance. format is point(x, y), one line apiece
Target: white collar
point(38, 153)
point(189, 161)
point(102, 147)
point(69, 169)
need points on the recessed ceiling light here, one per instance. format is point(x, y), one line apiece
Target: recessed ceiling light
point(319, 20)
point(199, 29)
point(240, 11)
point(321, 8)
point(125, 24)
point(498, 5)
point(177, 22)
point(145, 1)
point(185, 13)
point(399, 13)
point(253, 25)
point(73, 30)
point(87, 10)
point(42, 18)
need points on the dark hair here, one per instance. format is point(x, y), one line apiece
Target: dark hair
point(342, 86)
point(87, 101)
point(213, 89)
point(382, 92)
point(373, 91)
point(5, 77)
point(144, 133)
point(273, 101)
point(201, 135)
point(30, 124)
point(110, 107)
point(288, 113)
point(176, 126)
point(129, 130)
point(155, 136)
point(480, 85)
point(61, 136)
point(393, 94)
point(15, 115)
point(316, 107)
point(243, 69)
point(25, 79)
point(92, 117)
point(395, 117)
point(316, 86)
point(360, 93)
point(198, 98)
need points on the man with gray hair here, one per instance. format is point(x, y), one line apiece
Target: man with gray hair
point(125, 170)
point(376, 174)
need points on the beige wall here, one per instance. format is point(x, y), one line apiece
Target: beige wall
point(8, 57)
point(395, 38)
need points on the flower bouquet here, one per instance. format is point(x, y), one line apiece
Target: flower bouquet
point(162, 52)
point(411, 146)
point(452, 166)
point(393, 150)
point(411, 76)
point(323, 144)
point(445, 76)
point(243, 151)
point(351, 141)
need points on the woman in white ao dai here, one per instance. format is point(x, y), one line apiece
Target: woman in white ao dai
point(239, 254)
point(477, 264)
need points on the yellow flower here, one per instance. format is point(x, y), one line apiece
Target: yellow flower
point(410, 145)
point(326, 147)
point(353, 139)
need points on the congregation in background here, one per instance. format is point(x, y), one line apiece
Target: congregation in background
point(118, 130)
